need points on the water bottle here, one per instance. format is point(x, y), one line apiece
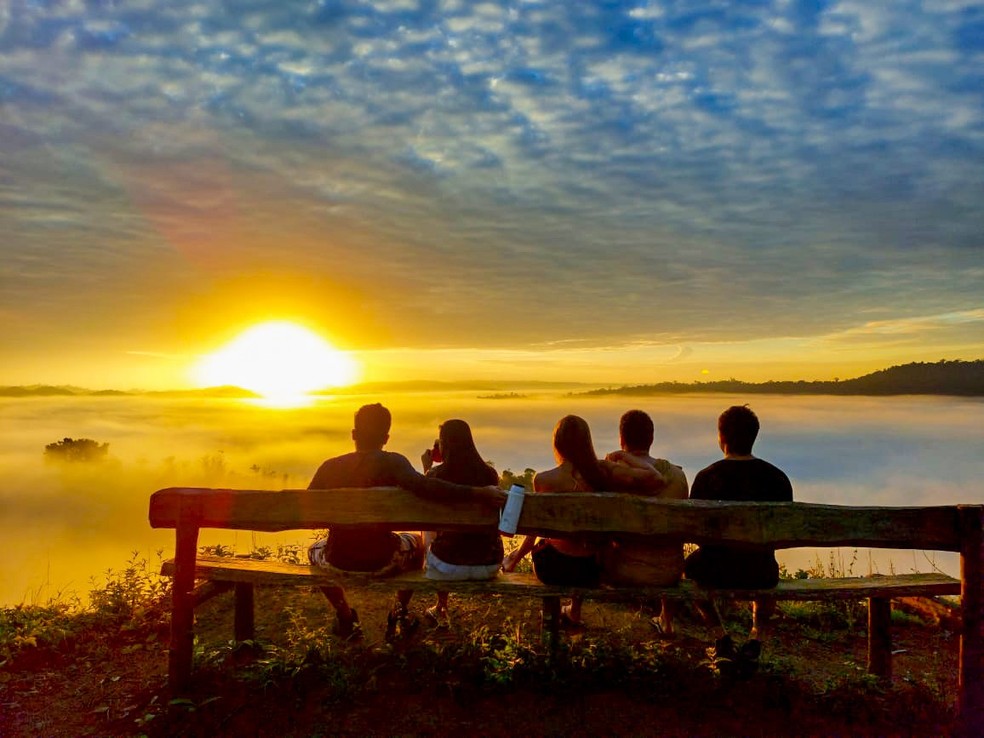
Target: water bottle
point(509, 519)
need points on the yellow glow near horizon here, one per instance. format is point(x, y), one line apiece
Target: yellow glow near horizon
point(279, 360)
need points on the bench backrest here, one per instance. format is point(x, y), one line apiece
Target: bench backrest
point(773, 524)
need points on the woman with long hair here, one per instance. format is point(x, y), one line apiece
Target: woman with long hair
point(569, 561)
point(455, 556)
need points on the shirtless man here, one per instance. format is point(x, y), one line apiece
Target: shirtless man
point(631, 563)
point(367, 548)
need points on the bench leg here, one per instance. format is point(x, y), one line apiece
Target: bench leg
point(550, 623)
point(970, 684)
point(181, 647)
point(244, 624)
point(880, 637)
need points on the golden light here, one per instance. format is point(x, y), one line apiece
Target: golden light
point(279, 360)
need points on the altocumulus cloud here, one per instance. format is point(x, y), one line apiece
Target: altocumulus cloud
point(789, 164)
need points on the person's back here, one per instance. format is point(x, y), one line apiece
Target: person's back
point(629, 562)
point(467, 549)
point(361, 547)
point(739, 477)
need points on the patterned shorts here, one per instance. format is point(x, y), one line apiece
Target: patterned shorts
point(408, 556)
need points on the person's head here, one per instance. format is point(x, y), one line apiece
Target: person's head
point(738, 427)
point(456, 440)
point(572, 443)
point(635, 431)
point(372, 426)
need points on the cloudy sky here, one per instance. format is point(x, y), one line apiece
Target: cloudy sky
point(607, 191)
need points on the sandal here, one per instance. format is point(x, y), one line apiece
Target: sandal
point(438, 617)
point(400, 618)
point(569, 623)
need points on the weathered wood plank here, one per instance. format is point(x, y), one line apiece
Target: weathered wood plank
point(771, 524)
point(276, 573)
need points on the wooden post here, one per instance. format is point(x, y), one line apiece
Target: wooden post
point(182, 604)
point(970, 682)
point(550, 623)
point(244, 627)
point(880, 637)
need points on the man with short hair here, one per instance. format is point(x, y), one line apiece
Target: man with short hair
point(740, 477)
point(368, 548)
point(631, 563)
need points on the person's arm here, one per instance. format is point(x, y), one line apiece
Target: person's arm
point(513, 558)
point(637, 475)
point(405, 476)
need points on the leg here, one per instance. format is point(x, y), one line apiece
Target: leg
point(571, 614)
point(336, 596)
point(550, 622)
point(667, 609)
point(442, 601)
point(763, 609)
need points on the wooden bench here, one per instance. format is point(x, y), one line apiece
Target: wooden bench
point(957, 528)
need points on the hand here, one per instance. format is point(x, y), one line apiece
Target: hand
point(510, 560)
point(427, 460)
point(492, 496)
point(615, 456)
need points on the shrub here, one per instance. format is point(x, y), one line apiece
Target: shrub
point(76, 450)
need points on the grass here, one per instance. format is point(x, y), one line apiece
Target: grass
point(493, 651)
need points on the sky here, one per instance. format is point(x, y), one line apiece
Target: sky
point(611, 192)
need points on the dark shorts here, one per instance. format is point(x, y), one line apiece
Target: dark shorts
point(721, 568)
point(553, 567)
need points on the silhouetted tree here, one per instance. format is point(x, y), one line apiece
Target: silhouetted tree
point(76, 449)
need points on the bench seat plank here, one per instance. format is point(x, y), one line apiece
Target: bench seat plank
point(244, 570)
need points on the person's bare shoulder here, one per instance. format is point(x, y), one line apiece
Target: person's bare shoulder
point(552, 480)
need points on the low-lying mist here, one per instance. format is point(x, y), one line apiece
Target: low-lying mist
point(67, 522)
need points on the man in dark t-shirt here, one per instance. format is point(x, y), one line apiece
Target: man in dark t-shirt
point(369, 548)
point(739, 477)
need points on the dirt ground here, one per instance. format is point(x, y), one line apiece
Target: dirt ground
point(811, 680)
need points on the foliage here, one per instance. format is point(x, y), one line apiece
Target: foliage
point(132, 600)
point(827, 616)
point(76, 450)
point(24, 627)
point(508, 478)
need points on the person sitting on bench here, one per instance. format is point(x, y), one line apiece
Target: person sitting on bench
point(455, 555)
point(569, 561)
point(367, 548)
point(740, 477)
point(626, 562)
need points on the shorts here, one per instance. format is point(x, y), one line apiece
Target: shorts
point(553, 567)
point(443, 571)
point(721, 568)
point(408, 556)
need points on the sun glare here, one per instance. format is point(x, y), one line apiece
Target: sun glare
point(281, 361)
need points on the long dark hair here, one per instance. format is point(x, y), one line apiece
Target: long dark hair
point(462, 462)
point(572, 442)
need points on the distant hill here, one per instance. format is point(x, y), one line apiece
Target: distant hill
point(961, 378)
point(47, 390)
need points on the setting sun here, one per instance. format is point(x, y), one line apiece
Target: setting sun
point(281, 361)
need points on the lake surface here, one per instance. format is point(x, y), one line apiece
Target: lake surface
point(64, 525)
